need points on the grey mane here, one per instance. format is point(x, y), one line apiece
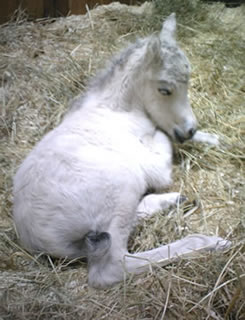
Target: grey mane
point(118, 62)
point(104, 76)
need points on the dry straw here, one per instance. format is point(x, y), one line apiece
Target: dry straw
point(43, 65)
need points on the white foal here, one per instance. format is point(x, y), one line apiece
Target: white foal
point(79, 191)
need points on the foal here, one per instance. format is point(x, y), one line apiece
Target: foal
point(81, 189)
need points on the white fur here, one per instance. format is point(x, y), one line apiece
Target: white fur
point(206, 137)
point(91, 173)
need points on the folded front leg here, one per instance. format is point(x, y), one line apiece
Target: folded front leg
point(206, 137)
point(153, 203)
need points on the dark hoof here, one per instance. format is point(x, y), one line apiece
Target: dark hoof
point(182, 199)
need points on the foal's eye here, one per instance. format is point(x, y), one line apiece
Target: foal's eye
point(164, 91)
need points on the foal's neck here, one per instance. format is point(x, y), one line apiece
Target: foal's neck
point(119, 94)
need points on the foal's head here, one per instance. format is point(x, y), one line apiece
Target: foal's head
point(163, 84)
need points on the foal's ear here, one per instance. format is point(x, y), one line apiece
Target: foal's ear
point(167, 33)
point(153, 49)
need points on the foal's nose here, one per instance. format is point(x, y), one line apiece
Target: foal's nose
point(181, 135)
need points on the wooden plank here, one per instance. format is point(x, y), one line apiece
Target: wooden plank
point(49, 9)
point(61, 8)
point(35, 8)
point(7, 9)
point(77, 6)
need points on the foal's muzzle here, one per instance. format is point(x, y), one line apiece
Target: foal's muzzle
point(181, 136)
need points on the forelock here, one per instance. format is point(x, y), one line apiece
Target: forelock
point(175, 64)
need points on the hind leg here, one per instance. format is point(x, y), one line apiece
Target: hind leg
point(117, 264)
point(114, 264)
point(108, 268)
point(154, 203)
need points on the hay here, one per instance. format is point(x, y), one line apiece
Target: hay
point(46, 63)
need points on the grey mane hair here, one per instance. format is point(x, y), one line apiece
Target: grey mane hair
point(101, 79)
point(117, 63)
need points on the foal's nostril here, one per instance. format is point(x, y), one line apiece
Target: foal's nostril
point(191, 132)
point(181, 136)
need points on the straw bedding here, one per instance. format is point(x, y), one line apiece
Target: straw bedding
point(44, 64)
